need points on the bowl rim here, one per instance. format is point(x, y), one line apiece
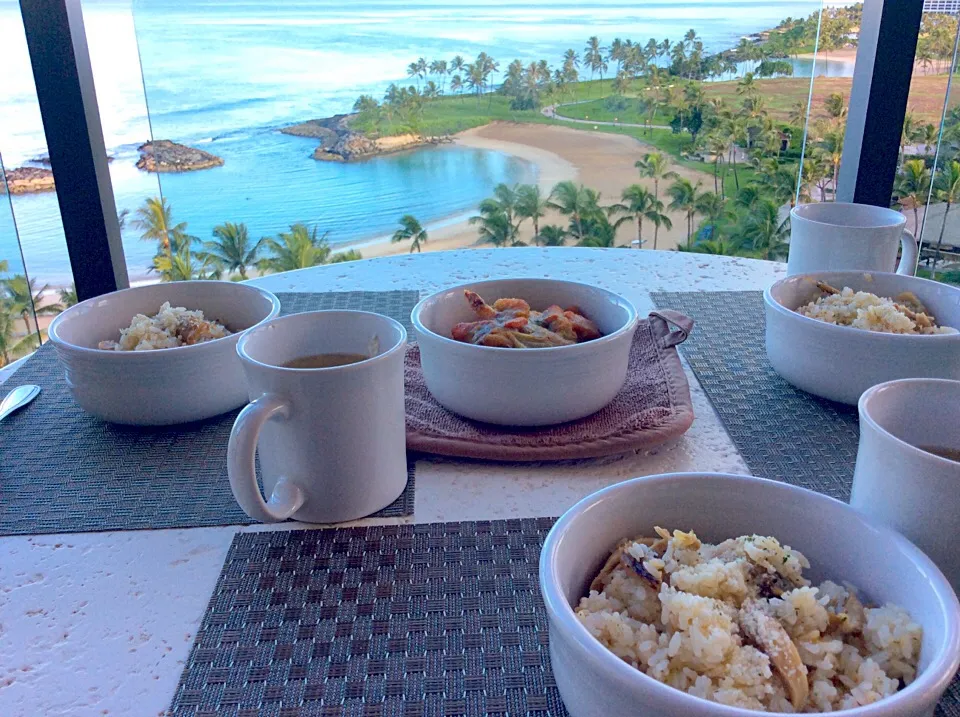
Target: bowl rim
point(935, 678)
point(628, 327)
point(865, 416)
point(54, 335)
point(774, 304)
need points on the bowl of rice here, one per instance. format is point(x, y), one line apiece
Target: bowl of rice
point(161, 354)
point(719, 595)
point(836, 334)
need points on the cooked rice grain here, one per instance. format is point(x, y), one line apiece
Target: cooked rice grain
point(687, 634)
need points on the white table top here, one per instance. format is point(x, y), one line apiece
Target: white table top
point(102, 623)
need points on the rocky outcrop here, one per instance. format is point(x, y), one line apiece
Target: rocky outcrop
point(339, 143)
point(163, 155)
point(27, 180)
point(327, 130)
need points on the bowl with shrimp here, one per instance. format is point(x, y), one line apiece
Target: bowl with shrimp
point(524, 352)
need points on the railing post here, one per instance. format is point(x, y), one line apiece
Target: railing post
point(71, 123)
point(878, 100)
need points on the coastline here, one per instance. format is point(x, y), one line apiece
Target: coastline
point(600, 160)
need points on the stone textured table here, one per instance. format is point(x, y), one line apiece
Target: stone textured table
point(101, 623)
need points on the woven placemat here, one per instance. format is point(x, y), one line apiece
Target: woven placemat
point(781, 431)
point(63, 471)
point(387, 621)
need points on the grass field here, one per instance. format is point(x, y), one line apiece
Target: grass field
point(780, 95)
point(598, 110)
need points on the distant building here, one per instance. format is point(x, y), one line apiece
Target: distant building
point(949, 7)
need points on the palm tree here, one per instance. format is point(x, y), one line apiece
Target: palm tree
point(929, 134)
point(24, 298)
point(764, 232)
point(231, 248)
point(909, 132)
point(300, 248)
point(532, 205)
point(185, 265)
point(410, 229)
point(494, 226)
point(155, 223)
point(68, 296)
point(913, 187)
point(835, 105)
point(456, 85)
point(655, 166)
point(831, 149)
point(717, 144)
point(439, 68)
point(639, 203)
point(576, 202)
point(552, 235)
point(683, 195)
point(713, 209)
point(413, 72)
point(748, 87)
point(947, 188)
point(12, 344)
point(797, 114)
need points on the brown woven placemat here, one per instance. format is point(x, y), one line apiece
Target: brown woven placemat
point(64, 471)
point(387, 621)
point(653, 407)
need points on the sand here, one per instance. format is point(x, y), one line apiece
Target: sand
point(600, 160)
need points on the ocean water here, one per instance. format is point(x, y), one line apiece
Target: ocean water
point(224, 74)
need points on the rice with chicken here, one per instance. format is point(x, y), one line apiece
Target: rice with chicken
point(737, 623)
point(863, 310)
point(168, 328)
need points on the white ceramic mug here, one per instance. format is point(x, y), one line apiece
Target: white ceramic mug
point(332, 441)
point(839, 236)
point(911, 490)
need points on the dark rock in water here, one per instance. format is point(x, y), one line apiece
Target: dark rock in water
point(27, 180)
point(163, 155)
point(339, 143)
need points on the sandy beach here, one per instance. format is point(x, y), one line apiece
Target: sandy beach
point(600, 160)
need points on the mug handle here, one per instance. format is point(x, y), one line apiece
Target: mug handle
point(287, 496)
point(909, 253)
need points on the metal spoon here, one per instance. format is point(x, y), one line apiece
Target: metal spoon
point(17, 398)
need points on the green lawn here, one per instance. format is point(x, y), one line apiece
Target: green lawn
point(600, 111)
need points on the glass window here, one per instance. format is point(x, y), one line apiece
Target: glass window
point(928, 180)
point(20, 298)
point(296, 134)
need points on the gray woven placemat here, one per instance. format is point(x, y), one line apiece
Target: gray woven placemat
point(781, 431)
point(63, 471)
point(387, 621)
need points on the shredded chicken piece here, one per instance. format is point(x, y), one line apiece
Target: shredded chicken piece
point(769, 636)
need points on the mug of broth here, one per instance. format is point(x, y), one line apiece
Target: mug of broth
point(908, 464)
point(326, 417)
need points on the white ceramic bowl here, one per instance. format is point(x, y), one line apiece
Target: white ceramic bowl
point(840, 543)
point(166, 386)
point(525, 387)
point(840, 362)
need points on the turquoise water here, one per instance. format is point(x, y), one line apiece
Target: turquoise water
point(223, 74)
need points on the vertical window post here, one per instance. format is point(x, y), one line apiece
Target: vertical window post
point(878, 100)
point(71, 122)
